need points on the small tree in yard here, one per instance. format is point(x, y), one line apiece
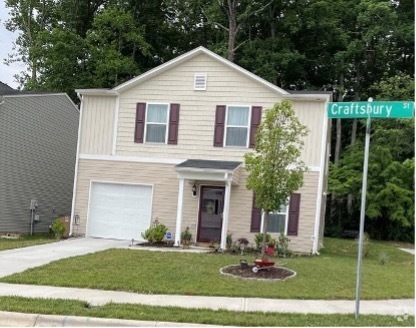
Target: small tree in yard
point(275, 170)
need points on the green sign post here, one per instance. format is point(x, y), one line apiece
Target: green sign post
point(376, 109)
point(369, 110)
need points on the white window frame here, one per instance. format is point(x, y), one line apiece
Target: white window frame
point(157, 123)
point(286, 221)
point(226, 126)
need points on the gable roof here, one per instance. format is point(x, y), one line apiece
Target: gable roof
point(187, 56)
point(321, 96)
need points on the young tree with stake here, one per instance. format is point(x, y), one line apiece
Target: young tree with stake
point(275, 169)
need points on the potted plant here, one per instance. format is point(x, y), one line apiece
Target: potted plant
point(186, 238)
point(271, 247)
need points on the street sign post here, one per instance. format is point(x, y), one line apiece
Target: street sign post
point(375, 109)
point(370, 109)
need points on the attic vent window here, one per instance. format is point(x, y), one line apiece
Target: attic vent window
point(200, 81)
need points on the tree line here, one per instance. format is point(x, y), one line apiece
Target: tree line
point(354, 48)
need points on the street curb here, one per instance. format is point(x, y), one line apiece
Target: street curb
point(15, 319)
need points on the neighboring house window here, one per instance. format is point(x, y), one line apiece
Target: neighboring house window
point(278, 220)
point(157, 123)
point(235, 126)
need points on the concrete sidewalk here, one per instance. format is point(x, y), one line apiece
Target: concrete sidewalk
point(101, 297)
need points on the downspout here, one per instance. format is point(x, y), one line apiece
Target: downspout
point(320, 184)
point(74, 189)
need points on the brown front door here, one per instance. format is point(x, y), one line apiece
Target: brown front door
point(211, 207)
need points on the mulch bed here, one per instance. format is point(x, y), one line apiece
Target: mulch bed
point(273, 273)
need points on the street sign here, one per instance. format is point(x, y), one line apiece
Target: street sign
point(374, 109)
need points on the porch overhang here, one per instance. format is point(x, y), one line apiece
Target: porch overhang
point(208, 170)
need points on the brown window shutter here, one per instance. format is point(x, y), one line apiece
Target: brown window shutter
point(255, 217)
point(293, 221)
point(219, 126)
point(173, 124)
point(255, 121)
point(140, 121)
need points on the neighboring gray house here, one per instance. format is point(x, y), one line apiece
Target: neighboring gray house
point(38, 142)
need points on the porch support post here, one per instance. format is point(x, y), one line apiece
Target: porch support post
point(225, 213)
point(179, 212)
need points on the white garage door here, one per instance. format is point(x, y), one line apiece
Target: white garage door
point(119, 211)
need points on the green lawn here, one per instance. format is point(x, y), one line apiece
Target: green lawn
point(199, 316)
point(26, 240)
point(332, 275)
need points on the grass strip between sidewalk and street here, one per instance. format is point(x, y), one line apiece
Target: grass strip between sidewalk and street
point(198, 316)
point(330, 276)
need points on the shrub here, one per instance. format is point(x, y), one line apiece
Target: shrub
point(155, 233)
point(229, 241)
point(283, 245)
point(258, 239)
point(186, 237)
point(58, 228)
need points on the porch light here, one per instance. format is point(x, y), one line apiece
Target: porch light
point(194, 190)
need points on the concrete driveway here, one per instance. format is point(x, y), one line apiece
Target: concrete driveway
point(20, 259)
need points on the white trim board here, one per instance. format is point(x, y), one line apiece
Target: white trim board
point(155, 160)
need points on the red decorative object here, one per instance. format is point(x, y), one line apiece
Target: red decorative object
point(270, 250)
point(263, 263)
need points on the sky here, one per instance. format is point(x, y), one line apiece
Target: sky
point(6, 47)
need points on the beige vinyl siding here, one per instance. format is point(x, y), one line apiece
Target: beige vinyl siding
point(165, 198)
point(241, 206)
point(197, 112)
point(165, 188)
point(97, 125)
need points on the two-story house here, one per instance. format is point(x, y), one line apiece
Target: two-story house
point(38, 143)
point(169, 145)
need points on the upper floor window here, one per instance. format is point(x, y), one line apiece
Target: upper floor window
point(235, 126)
point(157, 123)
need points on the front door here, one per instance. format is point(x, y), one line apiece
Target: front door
point(211, 207)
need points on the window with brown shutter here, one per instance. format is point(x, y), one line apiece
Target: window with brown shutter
point(219, 126)
point(152, 119)
point(293, 219)
point(173, 124)
point(140, 122)
point(255, 122)
point(234, 127)
point(255, 217)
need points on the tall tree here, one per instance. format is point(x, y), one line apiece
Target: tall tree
point(30, 17)
point(275, 169)
point(390, 192)
point(231, 16)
